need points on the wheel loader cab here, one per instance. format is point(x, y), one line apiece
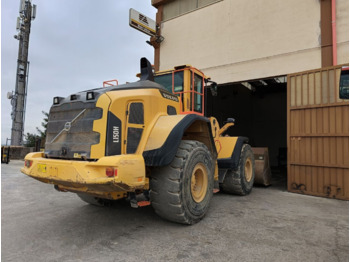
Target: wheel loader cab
point(187, 83)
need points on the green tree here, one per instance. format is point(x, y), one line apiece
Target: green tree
point(32, 138)
point(44, 125)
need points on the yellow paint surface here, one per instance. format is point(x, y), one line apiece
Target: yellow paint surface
point(161, 131)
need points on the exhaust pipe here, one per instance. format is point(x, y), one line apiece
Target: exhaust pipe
point(146, 70)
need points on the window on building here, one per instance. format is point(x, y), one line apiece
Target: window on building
point(180, 7)
point(344, 84)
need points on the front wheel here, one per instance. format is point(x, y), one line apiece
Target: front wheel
point(181, 192)
point(240, 181)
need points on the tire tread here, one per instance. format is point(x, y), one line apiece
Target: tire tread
point(234, 181)
point(166, 184)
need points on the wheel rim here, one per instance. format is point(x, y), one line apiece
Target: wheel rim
point(199, 182)
point(248, 170)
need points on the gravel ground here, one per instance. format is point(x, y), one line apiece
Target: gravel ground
point(41, 224)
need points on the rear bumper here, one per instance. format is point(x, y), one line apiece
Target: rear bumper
point(84, 176)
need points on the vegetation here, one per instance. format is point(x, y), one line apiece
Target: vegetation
point(44, 125)
point(31, 139)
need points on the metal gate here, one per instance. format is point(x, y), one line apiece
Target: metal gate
point(318, 134)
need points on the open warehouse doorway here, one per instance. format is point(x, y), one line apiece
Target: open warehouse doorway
point(259, 108)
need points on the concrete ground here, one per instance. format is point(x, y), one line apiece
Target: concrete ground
point(41, 224)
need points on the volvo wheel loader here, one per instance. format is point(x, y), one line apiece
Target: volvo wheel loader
point(149, 138)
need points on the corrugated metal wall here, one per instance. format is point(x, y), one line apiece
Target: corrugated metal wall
point(318, 134)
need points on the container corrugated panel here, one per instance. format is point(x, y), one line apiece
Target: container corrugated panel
point(318, 134)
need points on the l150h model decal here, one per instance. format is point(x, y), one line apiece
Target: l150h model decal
point(114, 135)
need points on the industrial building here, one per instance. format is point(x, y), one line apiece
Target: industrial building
point(278, 66)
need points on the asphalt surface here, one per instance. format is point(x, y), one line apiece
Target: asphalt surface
point(40, 224)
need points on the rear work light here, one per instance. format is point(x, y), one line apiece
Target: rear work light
point(56, 100)
point(111, 172)
point(28, 163)
point(90, 96)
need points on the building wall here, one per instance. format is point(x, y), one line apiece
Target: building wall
point(236, 40)
point(342, 24)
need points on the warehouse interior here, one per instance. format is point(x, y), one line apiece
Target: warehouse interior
point(259, 108)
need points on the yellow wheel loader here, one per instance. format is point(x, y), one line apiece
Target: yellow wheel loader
point(148, 141)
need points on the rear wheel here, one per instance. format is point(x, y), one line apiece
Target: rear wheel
point(96, 201)
point(240, 181)
point(181, 192)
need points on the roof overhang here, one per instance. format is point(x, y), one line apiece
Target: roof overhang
point(157, 3)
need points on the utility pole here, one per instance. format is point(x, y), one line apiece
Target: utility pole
point(18, 98)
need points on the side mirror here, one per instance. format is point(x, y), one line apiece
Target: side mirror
point(213, 87)
point(230, 120)
point(228, 123)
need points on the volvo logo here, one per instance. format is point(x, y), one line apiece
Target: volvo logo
point(169, 96)
point(67, 126)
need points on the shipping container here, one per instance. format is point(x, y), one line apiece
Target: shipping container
point(317, 134)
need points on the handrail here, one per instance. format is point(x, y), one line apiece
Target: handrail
point(109, 82)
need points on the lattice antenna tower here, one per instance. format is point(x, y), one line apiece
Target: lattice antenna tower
point(27, 13)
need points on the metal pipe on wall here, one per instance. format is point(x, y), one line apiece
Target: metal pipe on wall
point(334, 33)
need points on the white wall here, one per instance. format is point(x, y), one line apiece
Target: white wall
point(235, 40)
point(342, 24)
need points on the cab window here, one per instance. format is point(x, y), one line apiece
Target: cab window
point(344, 84)
point(198, 88)
point(166, 81)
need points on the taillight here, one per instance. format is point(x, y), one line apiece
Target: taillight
point(28, 163)
point(111, 172)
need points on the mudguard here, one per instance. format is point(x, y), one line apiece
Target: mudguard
point(232, 162)
point(164, 154)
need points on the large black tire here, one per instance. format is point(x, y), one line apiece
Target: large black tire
point(240, 181)
point(181, 192)
point(96, 201)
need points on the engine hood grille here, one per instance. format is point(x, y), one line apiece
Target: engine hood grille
point(69, 132)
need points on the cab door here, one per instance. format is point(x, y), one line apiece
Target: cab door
point(197, 105)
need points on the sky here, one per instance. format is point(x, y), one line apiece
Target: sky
point(74, 46)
